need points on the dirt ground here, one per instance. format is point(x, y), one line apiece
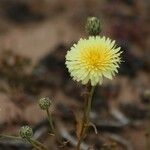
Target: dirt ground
point(34, 38)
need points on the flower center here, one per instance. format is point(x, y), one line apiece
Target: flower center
point(93, 60)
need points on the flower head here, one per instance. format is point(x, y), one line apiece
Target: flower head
point(92, 59)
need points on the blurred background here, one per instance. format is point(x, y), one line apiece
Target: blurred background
point(34, 38)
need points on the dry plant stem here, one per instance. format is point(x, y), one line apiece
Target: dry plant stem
point(85, 120)
point(36, 144)
point(49, 117)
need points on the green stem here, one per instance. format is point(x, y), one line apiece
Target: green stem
point(9, 137)
point(86, 115)
point(36, 144)
point(89, 104)
point(49, 117)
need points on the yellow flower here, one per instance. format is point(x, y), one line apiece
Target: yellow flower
point(92, 59)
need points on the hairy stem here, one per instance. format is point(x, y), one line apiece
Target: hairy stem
point(2, 136)
point(49, 117)
point(36, 144)
point(85, 119)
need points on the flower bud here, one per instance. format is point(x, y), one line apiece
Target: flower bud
point(93, 26)
point(26, 132)
point(44, 103)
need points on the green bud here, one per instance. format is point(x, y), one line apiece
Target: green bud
point(93, 26)
point(26, 132)
point(44, 103)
